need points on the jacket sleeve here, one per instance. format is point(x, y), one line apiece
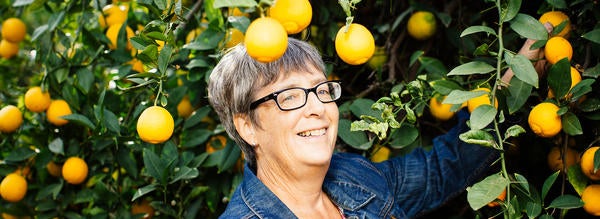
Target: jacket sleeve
point(424, 179)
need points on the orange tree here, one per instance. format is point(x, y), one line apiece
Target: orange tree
point(110, 61)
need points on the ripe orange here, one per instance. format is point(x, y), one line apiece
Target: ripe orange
point(473, 103)
point(13, 30)
point(144, 208)
point(75, 170)
point(54, 169)
point(575, 78)
point(544, 120)
point(500, 197)
point(13, 187)
point(56, 110)
point(233, 37)
point(355, 44)
point(37, 100)
point(382, 154)
point(421, 25)
point(155, 125)
point(185, 108)
point(555, 163)
point(439, 110)
point(212, 144)
point(8, 49)
point(137, 65)
point(114, 14)
point(587, 163)
point(11, 118)
point(591, 199)
point(555, 18)
point(294, 15)
point(113, 32)
point(266, 40)
point(558, 48)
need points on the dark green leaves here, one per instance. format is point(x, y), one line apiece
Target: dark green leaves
point(528, 27)
point(486, 190)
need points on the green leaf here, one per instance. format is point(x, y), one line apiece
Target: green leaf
point(356, 139)
point(142, 191)
point(110, 121)
point(361, 107)
point(403, 136)
point(19, 3)
point(57, 146)
point(567, 201)
point(477, 29)
point(528, 27)
point(20, 154)
point(39, 31)
point(519, 93)
point(571, 124)
point(478, 137)
point(582, 88)
point(548, 184)
point(593, 72)
point(559, 78)
point(459, 96)
point(577, 179)
point(485, 191)
point(596, 161)
point(164, 58)
point(85, 79)
point(234, 3)
point(154, 166)
point(444, 87)
point(593, 35)
point(482, 116)
point(523, 69)
point(559, 4)
point(514, 131)
point(590, 105)
point(511, 10)
point(433, 66)
point(415, 56)
point(533, 209)
point(79, 119)
point(522, 182)
point(183, 173)
point(474, 67)
point(161, 4)
point(546, 216)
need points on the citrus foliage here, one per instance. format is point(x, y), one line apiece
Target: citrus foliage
point(103, 64)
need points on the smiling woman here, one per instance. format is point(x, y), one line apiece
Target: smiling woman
point(284, 117)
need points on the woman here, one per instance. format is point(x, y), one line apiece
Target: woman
point(283, 116)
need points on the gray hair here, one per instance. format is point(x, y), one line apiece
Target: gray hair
point(236, 78)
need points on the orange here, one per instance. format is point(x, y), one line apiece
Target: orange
point(421, 25)
point(37, 100)
point(587, 163)
point(114, 14)
point(558, 48)
point(354, 44)
point(13, 187)
point(54, 169)
point(294, 15)
point(575, 78)
point(137, 65)
point(378, 59)
point(591, 199)
point(11, 118)
point(439, 110)
point(185, 108)
point(8, 49)
point(266, 40)
point(56, 110)
point(144, 208)
point(473, 103)
point(193, 34)
point(500, 197)
point(75, 170)
point(382, 154)
point(113, 32)
point(13, 30)
point(544, 120)
point(212, 144)
point(555, 163)
point(237, 12)
point(555, 18)
point(233, 37)
point(155, 125)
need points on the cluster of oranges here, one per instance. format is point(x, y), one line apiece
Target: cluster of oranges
point(543, 118)
point(13, 32)
point(443, 111)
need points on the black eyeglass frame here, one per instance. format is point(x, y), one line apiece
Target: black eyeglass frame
point(273, 96)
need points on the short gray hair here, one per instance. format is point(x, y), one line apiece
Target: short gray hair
point(236, 78)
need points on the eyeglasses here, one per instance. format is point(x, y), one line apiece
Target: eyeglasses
point(296, 97)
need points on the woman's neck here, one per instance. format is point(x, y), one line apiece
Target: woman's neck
point(299, 188)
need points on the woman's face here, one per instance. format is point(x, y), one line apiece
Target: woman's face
point(304, 136)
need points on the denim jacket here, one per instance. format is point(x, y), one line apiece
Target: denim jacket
point(402, 187)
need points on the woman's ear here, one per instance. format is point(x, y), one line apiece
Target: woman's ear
point(245, 128)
